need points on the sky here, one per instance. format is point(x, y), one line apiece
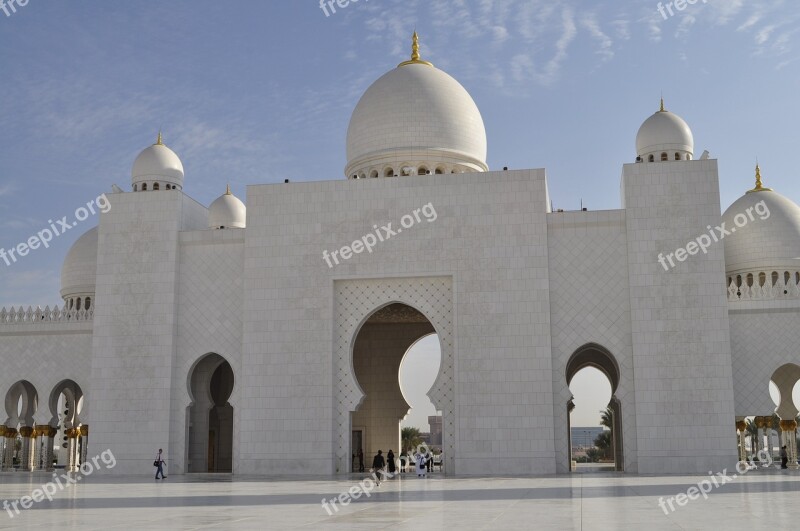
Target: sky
point(251, 92)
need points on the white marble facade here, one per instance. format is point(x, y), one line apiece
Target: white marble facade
point(520, 297)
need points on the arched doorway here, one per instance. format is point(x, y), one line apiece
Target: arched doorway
point(66, 405)
point(380, 346)
point(783, 422)
point(210, 416)
point(597, 357)
point(22, 402)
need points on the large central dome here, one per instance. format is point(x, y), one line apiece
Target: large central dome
point(415, 119)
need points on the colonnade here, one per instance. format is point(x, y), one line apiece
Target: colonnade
point(36, 450)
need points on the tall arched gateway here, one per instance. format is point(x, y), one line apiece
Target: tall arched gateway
point(592, 355)
point(380, 319)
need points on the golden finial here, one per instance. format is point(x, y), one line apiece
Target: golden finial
point(159, 141)
point(759, 186)
point(415, 57)
point(662, 109)
point(228, 190)
point(415, 46)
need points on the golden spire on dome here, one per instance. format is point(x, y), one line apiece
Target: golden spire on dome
point(759, 186)
point(662, 109)
point(415, 57)
point(159, 141)
point(228, 190)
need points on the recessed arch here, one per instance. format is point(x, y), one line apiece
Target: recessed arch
point(600, 358)
point(379, 347)
point(356, 301)
point(210, 416)
point(785, 378)
point(22, 402)
point(66, 412)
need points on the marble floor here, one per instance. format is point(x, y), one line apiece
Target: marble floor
point(760, 499)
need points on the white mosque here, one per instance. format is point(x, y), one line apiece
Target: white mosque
point(268, 340)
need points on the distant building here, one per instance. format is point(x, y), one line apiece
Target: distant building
point(436, 430)
point(583, 437)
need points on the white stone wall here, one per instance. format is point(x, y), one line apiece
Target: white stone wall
point(135, 324)
point(590, 303)
point(765, 335)
point(210, 307)
point(681, 343)
point(46, 354)
point(490, 236)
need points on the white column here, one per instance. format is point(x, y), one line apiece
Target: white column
point(8, 455)
point(84, 443)
point(760, 446)
point(741, 426)
point(791, 447)
point(47, 452)
point(72, 449)
point(26, 452)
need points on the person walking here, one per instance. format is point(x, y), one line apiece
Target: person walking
point(421, 469)
point(360, 460)
point(784, 457)
point(390, 462)
point(378, 463)
point(159, 464)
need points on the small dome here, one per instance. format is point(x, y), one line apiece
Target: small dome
point(157, 164)
point(79, 272)
point(415, 116)
point(770, 241)
point(664, 132)
point(227, 212)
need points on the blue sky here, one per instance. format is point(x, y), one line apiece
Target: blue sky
point(253, 92)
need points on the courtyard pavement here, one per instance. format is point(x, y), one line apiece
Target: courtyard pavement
point(759, 499)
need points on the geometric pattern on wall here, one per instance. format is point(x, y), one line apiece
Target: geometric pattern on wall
point(355, 302)
point(598, 313)
point(762, 340)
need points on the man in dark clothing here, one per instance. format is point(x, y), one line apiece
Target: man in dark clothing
point(360, 460)
point(378, 462)
point(784, 457)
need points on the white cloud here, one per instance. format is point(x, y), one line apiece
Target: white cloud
point(604, 43)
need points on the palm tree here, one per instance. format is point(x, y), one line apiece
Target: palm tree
point(410, 438)
point(607, 418)
point(603, 442)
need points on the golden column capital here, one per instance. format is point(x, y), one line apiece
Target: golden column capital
point(26, 431)
point(11, 433)
point(741, 425)
point(3, 431)
point(788, 425)
point(72, 433)
point(84, 430)
point(42, 429)
point(52, 431)
point(762, 422)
